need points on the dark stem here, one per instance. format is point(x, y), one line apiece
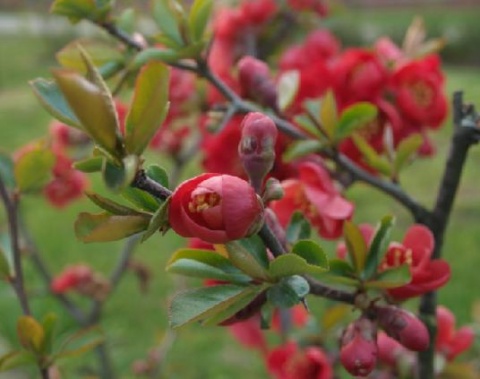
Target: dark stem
point(105, 363)
point(113, 30)
point(44, 373)
point(466, 134)
point(41, 267)
point(143, 182)
point(11, 208)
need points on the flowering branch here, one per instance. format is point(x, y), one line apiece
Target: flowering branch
point(143, 182)
point(466, 134)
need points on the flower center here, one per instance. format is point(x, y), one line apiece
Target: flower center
point(422, 93)
point(396, 258)
point(204, 201)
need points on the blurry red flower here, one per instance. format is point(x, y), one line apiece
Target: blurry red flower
point(62, 190)
point(451, 342)
point(215, 208)
point(314, 194)
point(318, 6)
point(256, 12)
point(289, 361)
point(359, 75)
point(249, 334)
point(418, 91)
point(71, 277)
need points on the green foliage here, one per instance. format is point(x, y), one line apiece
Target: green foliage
point(158, 222)
point(149, 107)
point(205, 264)
point(391, 278)
point(32, 169)
point(356, 245)
point(214, 303)
point(353, 118)
point(287, 89)
point(105, 227)
point(198, 18)
point(298, 228)
point(244, 260)
point(76, 10)
point(111, 206)
point(116, 176)
point(301, 148)
point(288, 292)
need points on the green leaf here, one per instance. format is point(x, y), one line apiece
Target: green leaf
point(159, 174)
point(292, 264)
point(79, 343)
point(288, 292)
point(335, 315)
point(298, 228)
point(406, 148)
point(149, 106)
point(309, 126)
point(166, 55)
point(256, 248)
point(126, 21)
point(158, 222)
point(141, 199)
point(198, 17)
point(33, 169)
point(5, 270)
point(6, 170)
point(203, 303)
point(329, 113)
point(104, 227)
point(118, 177)
point(93, 107)
point(341, 272)
point(48, 323)
point(205, 264)
point(391, 278)
point(89, 165)
point(356, 245)
point(100, 52)
point(31, 334)
point(371, 157)
point(301, 148)
point(244, 260)
point(52, 99)
point(353, 118)
point(311, 252)
point(378, 247)
point(16, 359)
point(287, 88)
point(111, 206)
point(77, 10)
point(167, 21)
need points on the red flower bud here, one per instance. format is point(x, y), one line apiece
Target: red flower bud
point(215, 208)
point(404, 326)
point(257, 146)
point(358, 353)
point(256, 82)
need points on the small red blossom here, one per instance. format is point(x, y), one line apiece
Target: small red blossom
point(358, 352)
point(359, 76)
point(62, 190)
point(71, 278)
point(289, 361)
point(249, 334)
point(314, 194)
point(416, 251)
point(257, 12)
point(256, 82)
point(318, 6)
point(215, 208)
point(450, 341)
point(404, 327)
point(417, 87)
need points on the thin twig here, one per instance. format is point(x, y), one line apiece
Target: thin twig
point(463, 138)
point(143, 182)
point(11, 208)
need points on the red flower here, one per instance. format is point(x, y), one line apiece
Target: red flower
point(451, 342)
point(416, 251)
point(358, 352)
point(221, 152)
point(359, 76)
point(290, 362)
point(71, 277)
point(215, 208)
point(257, 12)
point(62, 190)
point(314, 194)
point(390, 351)
point(249, 334)
point(404, 327)
point(418, 92)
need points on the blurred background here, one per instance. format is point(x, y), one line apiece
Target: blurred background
point(134, 321)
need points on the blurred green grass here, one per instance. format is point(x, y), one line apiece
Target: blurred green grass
point(135, 322)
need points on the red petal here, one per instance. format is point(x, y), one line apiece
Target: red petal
point(420, 239)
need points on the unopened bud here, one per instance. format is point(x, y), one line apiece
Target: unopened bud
point(404, 327)
point(273, 190)
point(358, 353)
point(256, 82)
point(257, 147)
